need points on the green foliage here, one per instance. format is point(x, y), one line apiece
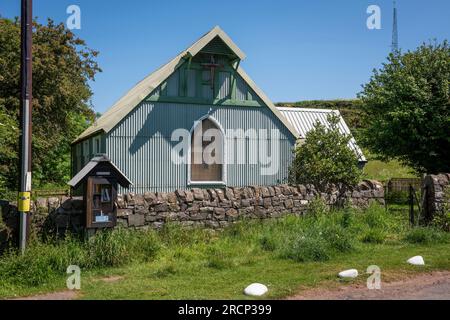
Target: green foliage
point(317, 207)
point(382, 170)
point(338, 238)
point(62, 69)
point(325, 158)
point(397, 197)
point(407, 109)
point(174, 252)
point(426, 235)
point(304, 249)
point(43, 262)
point(167, 269)
point(374, 236)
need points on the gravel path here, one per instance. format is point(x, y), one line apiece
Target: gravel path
point(63, 295)
point(432, 286)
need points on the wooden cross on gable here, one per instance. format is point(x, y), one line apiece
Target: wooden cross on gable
point(212, 66)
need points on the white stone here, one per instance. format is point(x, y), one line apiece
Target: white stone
point(256, 289)
point(352, 273)
point(416, 261)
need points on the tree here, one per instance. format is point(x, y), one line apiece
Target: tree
point(325, 159)
point(62, 69)
point(407, 109)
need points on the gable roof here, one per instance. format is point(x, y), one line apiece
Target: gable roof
point(90, 166)
point(304, 119)
point(144, 88)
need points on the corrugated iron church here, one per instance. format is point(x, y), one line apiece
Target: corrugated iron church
point(204, 84)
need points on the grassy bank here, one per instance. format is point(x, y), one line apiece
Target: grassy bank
point(286, 254)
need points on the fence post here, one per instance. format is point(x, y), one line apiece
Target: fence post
point(386, 196)
point(411, 205)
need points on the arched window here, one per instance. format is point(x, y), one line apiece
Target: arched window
point(207, 165)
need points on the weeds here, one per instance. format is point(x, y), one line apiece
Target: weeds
point(426, 235)
point(43, 262)
point(321, 235)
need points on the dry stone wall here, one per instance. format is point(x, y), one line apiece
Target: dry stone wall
point(437, 198)
point(210, 208)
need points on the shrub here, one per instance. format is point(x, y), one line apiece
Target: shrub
point(269, 242)
point(376, 216)
point(425, 235)
point(442, 221)
point(121, 246)
point(374, 236)
point(347, 218)
point(317, 207)
point(306, 248)
point(324, 159)
point(338, 238)
point(108, 249)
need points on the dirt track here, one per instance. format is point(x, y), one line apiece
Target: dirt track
point(432, 286)
point(63, 295)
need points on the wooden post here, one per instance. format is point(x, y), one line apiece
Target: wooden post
point(26, 98)
point(411, 205)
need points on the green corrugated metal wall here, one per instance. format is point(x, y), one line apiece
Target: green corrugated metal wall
point(140, 145)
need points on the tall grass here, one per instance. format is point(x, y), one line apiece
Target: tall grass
point(319, 236)
point(43, 262)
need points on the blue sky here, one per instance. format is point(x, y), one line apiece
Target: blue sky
point(296, 49)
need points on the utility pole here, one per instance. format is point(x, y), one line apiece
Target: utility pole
point(26, 98)
point(395, 30)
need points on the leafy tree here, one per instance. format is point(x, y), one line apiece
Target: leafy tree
point(325, 159)
point(62, 69)
point(407, 109)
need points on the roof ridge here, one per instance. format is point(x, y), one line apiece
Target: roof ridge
point(146, 86)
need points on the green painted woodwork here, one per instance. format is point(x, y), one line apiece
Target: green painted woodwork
point(182, 79)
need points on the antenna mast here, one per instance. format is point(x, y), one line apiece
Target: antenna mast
point(395, 30)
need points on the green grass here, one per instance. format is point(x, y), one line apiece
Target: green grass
point(376, 169)
point(287, 254)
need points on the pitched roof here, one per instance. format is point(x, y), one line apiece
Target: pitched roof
point(303, 121)
point(87, 169)
point(144, 88)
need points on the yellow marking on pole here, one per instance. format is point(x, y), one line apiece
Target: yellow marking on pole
point(24, 204)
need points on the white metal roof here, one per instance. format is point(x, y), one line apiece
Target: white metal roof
point(138, 93)
point(303, 120)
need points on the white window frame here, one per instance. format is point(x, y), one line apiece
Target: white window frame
point(224, 164)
